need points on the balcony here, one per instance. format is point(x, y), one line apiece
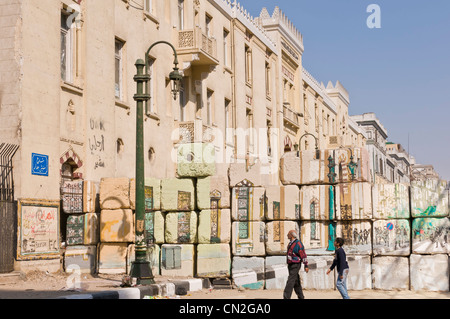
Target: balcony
point(291, 118)
point(197, 48)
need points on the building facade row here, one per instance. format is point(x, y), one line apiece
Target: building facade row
point(66, 77)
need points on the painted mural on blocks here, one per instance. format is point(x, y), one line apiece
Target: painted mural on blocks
point(391, 237)
point(429, 198)
point(431, 235)
point(357, 236)
point(390, 201)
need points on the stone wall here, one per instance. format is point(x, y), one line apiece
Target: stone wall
point(205, 227)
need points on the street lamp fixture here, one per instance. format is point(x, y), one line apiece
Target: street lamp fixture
point(175, 78)
point(140, 267)
point(316, 141)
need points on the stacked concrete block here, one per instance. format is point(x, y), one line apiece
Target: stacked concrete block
point(72, 197)
point(282, 203)
point(317, 278)
point(245, 172)
point(345, 158)
point(154, 227)
point(276, 272)
point(430, 230)
point(431, 235)
point(89, 197)
point(115, 193)
point(117, 226)
point(82, 229)
point(177, 260)
point(354, 201)
point(318, 237)
point(82, 259)
point(177, 195)
point(248, 204)
point(315, 166)
point(196, 160)
point(290, 169)
point(213, 191)
point(390, 201)
point(181, 228)
point(213, 260)
point(112, 258)
point(357, 236)
point(317, 202)
point(429, 198)
point(391, 237)
point(360, 270)
point(214, 226)
point(248, 272)
point(429, 272)
point(390, 273)
point(248, 238)
point(152, 187)
point(276, 236)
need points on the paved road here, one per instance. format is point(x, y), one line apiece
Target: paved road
point(45, 286)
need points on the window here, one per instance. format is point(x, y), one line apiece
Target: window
point(180, 14)
point(208, 30)
point(181, 99)
point(120, 146)
point(151, 102)
point(267, 74)
point(119, 69)
point(209, 107)
point(227, 119)
point(225, 47)
point(66, 48)
point(248, 64)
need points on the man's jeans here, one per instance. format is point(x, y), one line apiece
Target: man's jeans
point(341, 284)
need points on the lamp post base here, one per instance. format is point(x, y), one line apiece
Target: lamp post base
point(143, 272)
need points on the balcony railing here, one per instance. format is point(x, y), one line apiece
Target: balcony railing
point(291, 117)
point(195, 42)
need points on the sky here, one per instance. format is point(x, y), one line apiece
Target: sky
point(400, 71)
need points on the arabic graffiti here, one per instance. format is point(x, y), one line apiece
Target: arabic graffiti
point(97, 142)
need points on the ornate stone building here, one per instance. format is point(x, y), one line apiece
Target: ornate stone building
point(66, 85)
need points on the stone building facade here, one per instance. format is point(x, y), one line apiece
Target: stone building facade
point(66, 78)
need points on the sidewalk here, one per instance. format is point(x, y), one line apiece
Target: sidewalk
point(40, 285)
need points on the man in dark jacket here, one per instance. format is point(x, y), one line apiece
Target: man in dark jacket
point(340, 262)
point(295, 257)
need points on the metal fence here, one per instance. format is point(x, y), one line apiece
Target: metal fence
point(7, 208)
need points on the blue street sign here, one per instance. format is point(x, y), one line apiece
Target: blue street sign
point(39, 164)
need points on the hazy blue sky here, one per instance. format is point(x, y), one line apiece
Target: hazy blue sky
point(401, 71)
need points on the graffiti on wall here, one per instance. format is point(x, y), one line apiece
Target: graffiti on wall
point(38, 223)
point(97, 142)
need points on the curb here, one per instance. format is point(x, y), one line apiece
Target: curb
point(168, 289)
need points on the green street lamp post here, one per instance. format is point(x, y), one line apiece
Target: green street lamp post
point(140, 267)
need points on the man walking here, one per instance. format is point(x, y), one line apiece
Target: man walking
point(295, 257)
